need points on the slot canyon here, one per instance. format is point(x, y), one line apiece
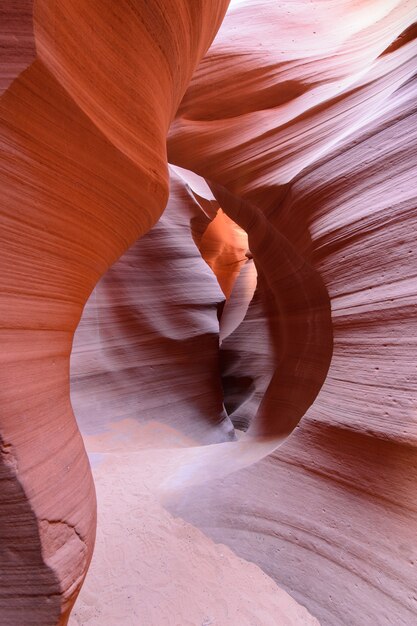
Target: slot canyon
point(208, 305)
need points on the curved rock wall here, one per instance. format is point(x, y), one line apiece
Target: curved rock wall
point(326, 151)
point(83, 176)
point(302, 119)
point(146, 348)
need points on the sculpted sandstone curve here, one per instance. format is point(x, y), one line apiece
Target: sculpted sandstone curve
point(275, 296)
point(83, 176)
point(146, 390)
point(330, 165)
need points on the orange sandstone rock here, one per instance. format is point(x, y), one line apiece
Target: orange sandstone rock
point(83, 176)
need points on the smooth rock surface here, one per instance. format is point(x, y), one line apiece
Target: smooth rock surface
point(243, 376)
point(83, 175)
point(331, 165)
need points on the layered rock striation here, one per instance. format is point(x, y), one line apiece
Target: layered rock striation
point(275, 296)
point(84, 175)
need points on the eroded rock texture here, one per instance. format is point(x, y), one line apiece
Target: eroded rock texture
point(279, 285)
point(150, 316)
point(329, 158)
point(83, 176)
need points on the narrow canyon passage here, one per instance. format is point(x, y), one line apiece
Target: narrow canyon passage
point(207, 313)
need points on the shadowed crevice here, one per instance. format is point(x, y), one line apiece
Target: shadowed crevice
point(29, 589)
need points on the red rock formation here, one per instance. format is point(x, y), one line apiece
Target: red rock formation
point(301, 117)
point(325, 148)
point(83, 176)
point(142, 364)
point(224, 246)
point(17, 45)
